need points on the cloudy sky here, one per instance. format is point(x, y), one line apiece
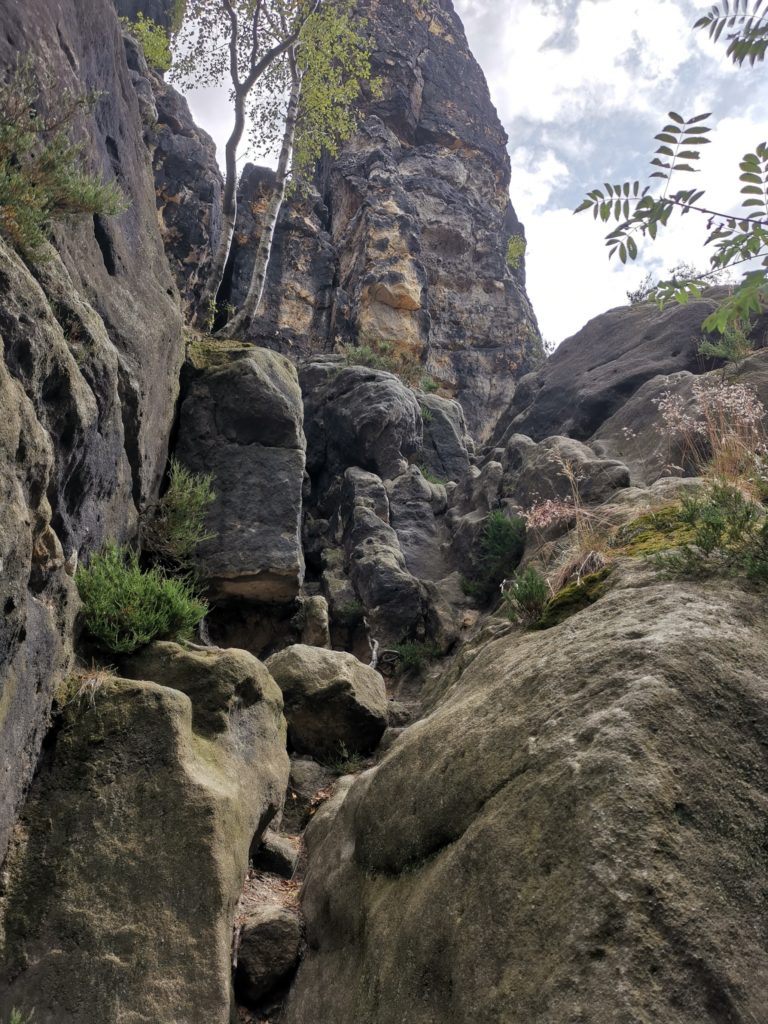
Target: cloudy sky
point(582, 86)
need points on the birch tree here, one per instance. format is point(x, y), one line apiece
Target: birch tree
point(270, 53)
point(325, 70)
point(238, 43)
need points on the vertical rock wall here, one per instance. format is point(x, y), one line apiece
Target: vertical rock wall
point(90, 352)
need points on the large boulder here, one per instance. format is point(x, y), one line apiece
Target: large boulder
point(358, 417)
point(447, 446)
point(394, 600)
point(559, 469)
point(125, 870)
point(331, 699)
point(268, 954)
point(243, 423)
point(579, 830)
point(591, 375)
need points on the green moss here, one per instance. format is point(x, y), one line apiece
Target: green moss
point(206, 353)
point(574, 598)
point(653, 532)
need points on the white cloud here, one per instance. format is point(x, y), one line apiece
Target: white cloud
point(584, 109)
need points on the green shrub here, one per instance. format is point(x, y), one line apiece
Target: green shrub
point(733, 345)
point(126, 608)
point(729, 534)
point(174, 527)
point(516, 248)
point(344, 762)
point(376, 356)
point(501, 547)
point(349, 615)
point(414, 654)
point(526, 597)
point(41, 175)
point(429, 476)
point(153, 40)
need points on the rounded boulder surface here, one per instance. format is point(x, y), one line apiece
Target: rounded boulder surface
point(331, 700)
point(269, 952)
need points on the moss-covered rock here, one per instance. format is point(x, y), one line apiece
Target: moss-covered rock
point(655, 531)
point(124, 873)
point(574, 598)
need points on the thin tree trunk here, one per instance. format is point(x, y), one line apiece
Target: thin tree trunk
point(259, 276)
point(228, 216)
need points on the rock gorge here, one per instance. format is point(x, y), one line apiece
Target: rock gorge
point(362, 795)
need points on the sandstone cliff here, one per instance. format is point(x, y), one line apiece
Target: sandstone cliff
point(470, 818)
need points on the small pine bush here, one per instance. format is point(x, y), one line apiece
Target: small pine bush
point(41, 174)
point(126, 608)
point(176, 525)
point(729, 534)
point(414, 655)
point(502, 543)
point(526, 597)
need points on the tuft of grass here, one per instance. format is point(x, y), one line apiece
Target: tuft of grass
point(173, 528)
point(526, 596)
point(344, 762)
point(429, 476)
point(126, 608)
point(42, 178)
point(349, 615)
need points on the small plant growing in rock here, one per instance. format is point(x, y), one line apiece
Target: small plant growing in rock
point(526, 596)
point(516, 248)
point(345, 762)
point(126, 608)
point(729, 535)
point(41, 174)
point(17, 1017)
point(733, 345)
point(413, 655)
point(429, 476)
point(174, 527)
point(153, 40)
point(349, 615)
point(501, 547)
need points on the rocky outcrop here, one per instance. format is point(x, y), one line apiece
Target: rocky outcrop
point(243, 422)
point(188, 185)
point(332, 701)
point(357, 417)
point(555, 854)
point(446, 447)
point(92, 347)
point(591, 375)
point(404, 237)
point(124, 873)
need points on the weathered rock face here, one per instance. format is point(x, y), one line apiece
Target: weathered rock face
point(243, 422)
point(591, 375)
point(126, 867)
point(421, 216)
point(358, 417)
point(188, 185)
point(91, 348)
point(555, 857)
point(405, 240)
point(296, 312)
